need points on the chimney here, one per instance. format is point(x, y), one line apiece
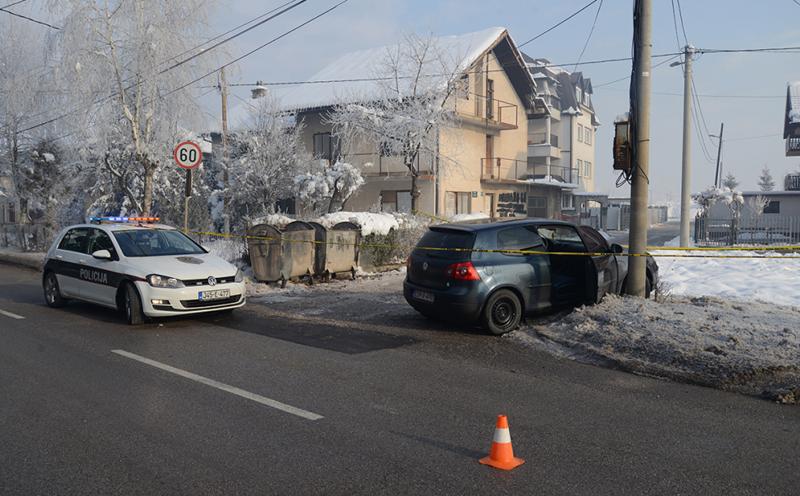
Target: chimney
point(259, 91)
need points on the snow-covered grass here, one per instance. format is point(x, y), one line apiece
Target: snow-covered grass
point(753, 348)
point(773, 280)
point(273, 219)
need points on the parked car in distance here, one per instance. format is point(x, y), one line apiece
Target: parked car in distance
point(453, 272)
point(139, 268)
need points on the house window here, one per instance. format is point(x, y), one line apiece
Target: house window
point(587, 135)
point(456, 203)
point(578, 95)
point(772, 207)
point(537, 207)
point(580, 133)
point(579, 163)
point(490, 99)
point(396, 201)
point(464, 86)
point(326, 147)
point(567, 201)
point(587, 169)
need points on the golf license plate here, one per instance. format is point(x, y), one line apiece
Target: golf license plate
point(422, 296)
point(214, 294)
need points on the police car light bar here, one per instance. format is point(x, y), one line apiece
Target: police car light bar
point(97, 220)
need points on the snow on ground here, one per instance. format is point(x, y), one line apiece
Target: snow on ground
point(774, 280)
point(751, 348)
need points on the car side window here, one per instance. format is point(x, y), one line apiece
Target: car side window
point(100, 240)
point(562, 238)
point(75, 240)
point(595, 242)
point(519, 238)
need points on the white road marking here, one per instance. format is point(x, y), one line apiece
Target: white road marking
point(224, 387)
point(12, 315)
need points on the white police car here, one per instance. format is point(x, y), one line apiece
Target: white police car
point(140, 268)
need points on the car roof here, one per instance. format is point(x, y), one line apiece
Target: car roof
point(124, 226)
point(486, 224)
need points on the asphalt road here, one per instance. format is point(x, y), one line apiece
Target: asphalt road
point(407, 407)
point(657, 235)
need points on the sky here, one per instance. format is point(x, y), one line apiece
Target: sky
point(757, 81)
point(709, 24)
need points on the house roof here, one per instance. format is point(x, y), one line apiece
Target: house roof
point(367, 64)
point(567, 83)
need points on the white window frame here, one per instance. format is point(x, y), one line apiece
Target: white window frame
point(579, 164)
point(580, 133)
point(587, 135)
point(587, 169)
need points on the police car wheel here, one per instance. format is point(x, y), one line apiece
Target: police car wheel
point(132, 306)
point(52, 293)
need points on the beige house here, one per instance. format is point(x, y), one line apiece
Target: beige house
point(482, 163)
point(561, 137)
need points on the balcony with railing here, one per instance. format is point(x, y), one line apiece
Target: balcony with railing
point(793, 146)
point(555, 174)
point(491, 112)
point(503, 169)
point(542, 145)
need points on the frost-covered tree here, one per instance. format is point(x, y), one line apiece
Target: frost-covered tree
point(268, 154)
point(26, 90)
point(328, 187)
point(410, 107)
point(765, 182)
point(730, 182)
point(120, 62)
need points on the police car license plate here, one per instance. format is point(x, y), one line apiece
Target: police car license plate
point(422, 295)
point(214, 294)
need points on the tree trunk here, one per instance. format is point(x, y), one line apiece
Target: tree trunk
point(414, 193)
point(149, 172)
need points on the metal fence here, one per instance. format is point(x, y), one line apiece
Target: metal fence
point(746, 230)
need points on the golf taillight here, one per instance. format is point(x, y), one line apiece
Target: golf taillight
point(463, 271)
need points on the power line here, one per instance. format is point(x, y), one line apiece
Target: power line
point(558, 23)
point(675, 25)
point(240, 33)
point(175, 90)
point(588, 38)
point(231, 30)
point(3, 9)
point(628, 76)
point(13, 4)
point(683, 25)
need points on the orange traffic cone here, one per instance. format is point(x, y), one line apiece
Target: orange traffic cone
point(502, 454)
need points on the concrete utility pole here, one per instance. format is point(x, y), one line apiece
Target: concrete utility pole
point(718, 174)
point(223, 85)
point(686, 171)
point(642, 35)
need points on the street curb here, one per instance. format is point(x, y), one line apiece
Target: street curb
point(27, 260)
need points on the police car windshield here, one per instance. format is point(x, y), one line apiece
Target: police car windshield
point(155, 243)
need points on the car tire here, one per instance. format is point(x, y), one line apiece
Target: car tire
point(502, 312)
point(52, 292)
point(132, 305)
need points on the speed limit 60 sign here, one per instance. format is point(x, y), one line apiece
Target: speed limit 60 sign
point(188, 155)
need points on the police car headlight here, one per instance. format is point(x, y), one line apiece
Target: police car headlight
point(239, 276)
point(158, 281)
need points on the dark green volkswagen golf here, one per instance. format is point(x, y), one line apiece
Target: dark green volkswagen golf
point(455, 273)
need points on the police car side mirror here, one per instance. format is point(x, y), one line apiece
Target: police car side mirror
point(102, 255)
point(616, 249)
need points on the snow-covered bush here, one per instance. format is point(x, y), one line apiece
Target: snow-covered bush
point(327, 188)
point(266, 157)
point(711, 196)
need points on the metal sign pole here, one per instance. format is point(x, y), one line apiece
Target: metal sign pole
point(186, 196)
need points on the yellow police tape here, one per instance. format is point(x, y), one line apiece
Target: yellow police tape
point(532, 252)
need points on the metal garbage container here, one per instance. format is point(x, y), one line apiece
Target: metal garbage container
point(337, 249)
point(277, 255)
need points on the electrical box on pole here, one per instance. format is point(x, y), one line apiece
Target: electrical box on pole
point(622, 144)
